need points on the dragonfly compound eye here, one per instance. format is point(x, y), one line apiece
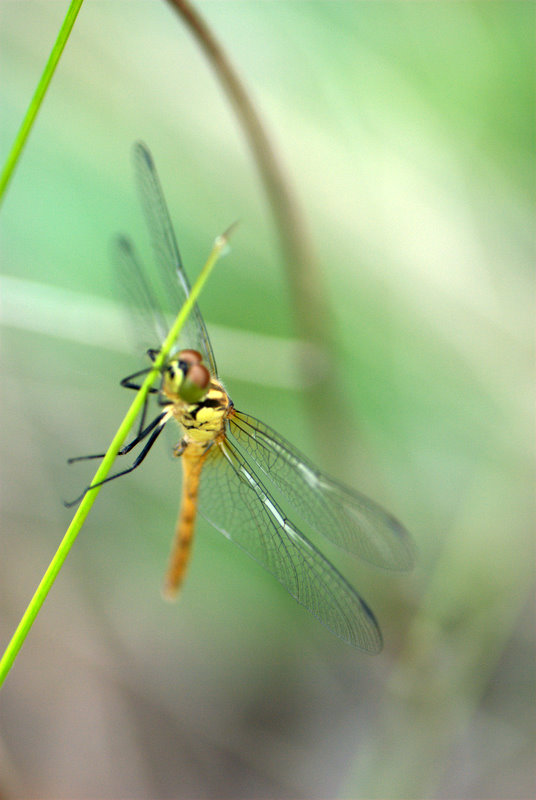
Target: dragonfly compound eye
point(195, 383)
point(190, 357)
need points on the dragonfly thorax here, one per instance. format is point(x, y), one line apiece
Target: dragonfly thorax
point(204, 420)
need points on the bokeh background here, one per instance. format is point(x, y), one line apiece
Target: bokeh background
point(407, 132)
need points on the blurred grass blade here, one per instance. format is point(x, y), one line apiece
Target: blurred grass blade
point(39, 94)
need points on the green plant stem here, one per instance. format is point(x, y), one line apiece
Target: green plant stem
point(68, 540)
point(39, 94)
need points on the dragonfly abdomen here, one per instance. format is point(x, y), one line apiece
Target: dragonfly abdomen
point(184, 530)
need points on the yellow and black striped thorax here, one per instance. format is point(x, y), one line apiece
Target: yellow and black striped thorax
point(202, 421)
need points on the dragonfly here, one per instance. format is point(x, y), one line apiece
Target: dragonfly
point(232, 462)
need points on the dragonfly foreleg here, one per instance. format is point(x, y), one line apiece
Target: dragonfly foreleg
point(127, 382)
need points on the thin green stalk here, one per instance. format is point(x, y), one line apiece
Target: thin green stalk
point(39, 94)
point(68, 540)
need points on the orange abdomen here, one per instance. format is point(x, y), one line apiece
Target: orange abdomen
point(184, 531)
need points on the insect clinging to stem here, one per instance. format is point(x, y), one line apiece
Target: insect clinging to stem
point(231, 461)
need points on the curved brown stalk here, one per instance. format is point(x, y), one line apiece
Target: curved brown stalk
point(312, 314)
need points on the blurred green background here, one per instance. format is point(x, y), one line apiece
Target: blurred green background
point(407, 131)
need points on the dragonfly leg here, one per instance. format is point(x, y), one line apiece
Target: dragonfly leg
point(127, 382)
point(152, 439)
point(140, 436)
point(179, 448)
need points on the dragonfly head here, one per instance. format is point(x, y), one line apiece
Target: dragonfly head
point(186, 376)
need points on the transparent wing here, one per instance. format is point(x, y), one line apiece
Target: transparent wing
point(234, 500)
point(148, 322)
point(174, 283)
point(345, 517)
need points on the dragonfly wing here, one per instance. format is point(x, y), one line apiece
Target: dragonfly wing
point(174, 283)
point(236, 502)
point(149, 325)
point(345, 517)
